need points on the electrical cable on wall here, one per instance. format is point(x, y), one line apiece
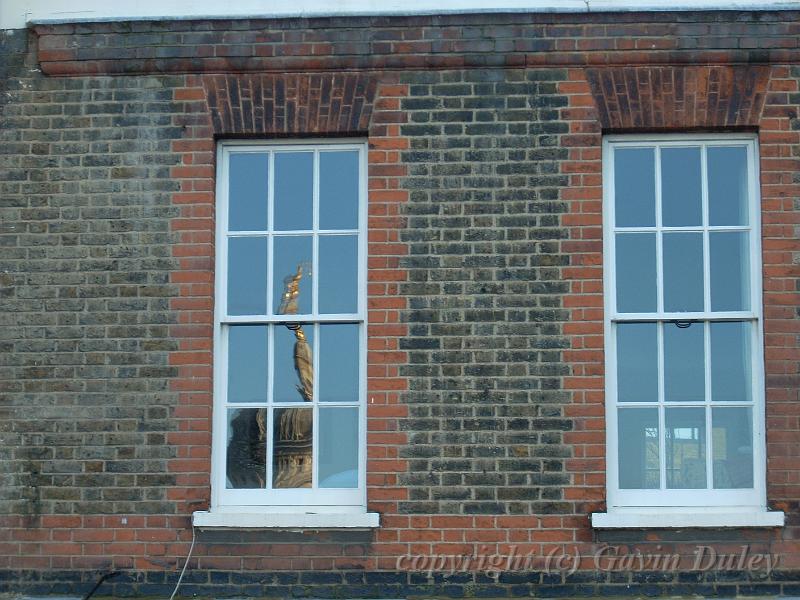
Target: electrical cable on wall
point(188, 558)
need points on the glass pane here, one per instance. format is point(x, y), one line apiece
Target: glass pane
point(294, 190)
point(293, 364)
point(634, 187)
point(338, 363)
point(727, 185)
point(637, 362)
point(293, 430)
point(338, 447)
point(247, 275)
point(338, 274)
point(731, 360)
point(732, 444)
point(338, 190)
point(636, 272)
point(683, 272)
point(638, 448)
point(681, 187)
point(247, 191)
point(684, 363)
point(291, 275)
point(730, 270)
point(247, 448)
point(685, 430)
point(247, 363)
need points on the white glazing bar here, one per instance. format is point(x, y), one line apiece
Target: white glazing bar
point(662, 424)
point(315, 428)
point(315, 238)
point(271, 229)
point(659, 241)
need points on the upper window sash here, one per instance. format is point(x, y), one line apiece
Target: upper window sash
point(329, 242)
point(676, 263)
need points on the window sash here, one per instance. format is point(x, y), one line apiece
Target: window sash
point(324, 499)
point(620, 498)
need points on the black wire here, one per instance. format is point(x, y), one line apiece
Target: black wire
point(100, 581)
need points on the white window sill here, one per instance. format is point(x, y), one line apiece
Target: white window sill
point(243, 520)
point(699, 518)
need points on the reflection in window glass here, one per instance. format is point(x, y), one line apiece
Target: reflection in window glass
point(681, 187)
point(338, 447)
point(637, 362)
point(684, 363)
point(683, 272)
point(293, 364)
point(638, 448)
point(731, 362)
point(338, 274)
point(636, 272)
point(685, 431)
point(727, 185)
point(293, 430)
point(338, 190)
point(246, 452)
point(247, 276)
point(338, 362)
point(732, 443)
point(247, 363)
point(635, 187)
point(292, 274)
point(294, 190)
point(291, 352)
point(247, 193)
point(730, 270)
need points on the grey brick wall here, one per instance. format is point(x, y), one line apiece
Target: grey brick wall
point(485, 292)
point(85, 255)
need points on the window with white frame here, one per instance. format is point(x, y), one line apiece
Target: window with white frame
point(683, 322)
point(290, 339)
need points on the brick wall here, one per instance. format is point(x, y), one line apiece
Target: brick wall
point(486, 414)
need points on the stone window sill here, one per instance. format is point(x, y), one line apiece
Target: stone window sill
point(267, 520)
point(700, 517)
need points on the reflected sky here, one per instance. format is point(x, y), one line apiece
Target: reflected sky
point(338, 190)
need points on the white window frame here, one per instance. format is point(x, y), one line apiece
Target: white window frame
point(667, 508)
point(265, 507)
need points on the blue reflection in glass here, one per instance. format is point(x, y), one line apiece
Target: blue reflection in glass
point(727, 185)
point(684, 363)
point(338, 274)
point(247, 275)
point(338, 190)
point(681, 187)
point(637, 439)
point(247, 192)
point(292, 252)
point(731, 360)
point(288, 383)
point(247, 363)
point(338, 447)
point(637, 362)
point(634, 187)
point(730, 270)
point(685, 447)
point(636, 272)
point(683, 272)
point(733, 447)
point(338, 362)
point(294, 190)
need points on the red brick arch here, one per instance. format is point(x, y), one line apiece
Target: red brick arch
point(290, 104)
point(679, 97)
